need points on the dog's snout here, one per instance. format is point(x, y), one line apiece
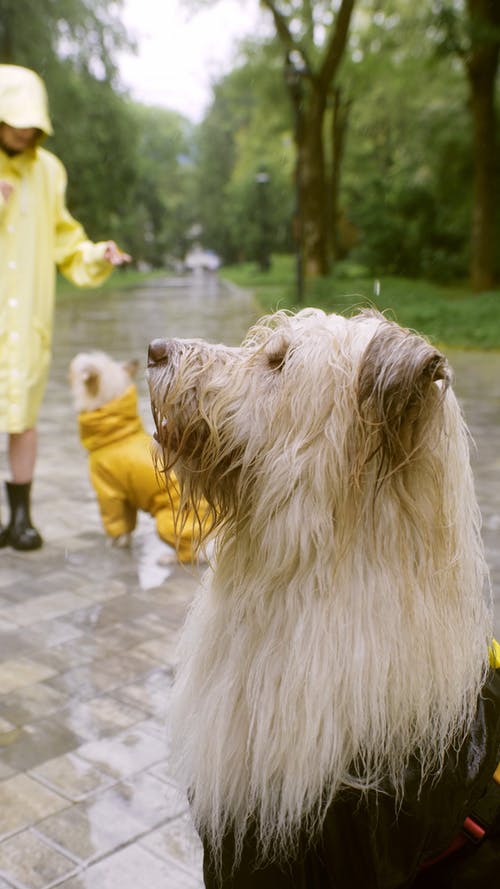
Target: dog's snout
point(158, 350)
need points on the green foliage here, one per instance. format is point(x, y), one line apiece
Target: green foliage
point(407, 170)
point(164, 210)
point(72, 45)
point(450, 316)
point(215, 160)
point(149, 179)
point(130, 169)
point(39, 34)
point(408, 159)
point(95, 139)
point(245, 132)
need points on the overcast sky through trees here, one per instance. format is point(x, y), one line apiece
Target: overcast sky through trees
point(182, 53)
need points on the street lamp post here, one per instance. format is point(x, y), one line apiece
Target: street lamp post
point(293, 79)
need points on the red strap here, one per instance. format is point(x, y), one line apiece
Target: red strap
point(456, 844)
point(473, 830)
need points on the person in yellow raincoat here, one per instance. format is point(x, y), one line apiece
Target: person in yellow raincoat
point(37, 234)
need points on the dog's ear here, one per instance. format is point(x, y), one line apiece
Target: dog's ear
point(91, 379)
point(401, 384)
point(131, 367)
point(276, 348)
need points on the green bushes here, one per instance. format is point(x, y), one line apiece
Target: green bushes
point(449, 315)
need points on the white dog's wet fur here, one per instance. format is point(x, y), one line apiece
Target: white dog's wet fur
point(345, 620)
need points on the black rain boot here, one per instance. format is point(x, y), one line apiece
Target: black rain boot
point(4, 537)
point(20, 533)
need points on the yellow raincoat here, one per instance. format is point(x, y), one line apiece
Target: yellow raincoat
point(37, 233)
point(124, 477)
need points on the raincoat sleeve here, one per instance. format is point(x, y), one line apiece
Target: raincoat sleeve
point(79, 260)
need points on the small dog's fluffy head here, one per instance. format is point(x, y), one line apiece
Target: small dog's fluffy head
point(96, 378)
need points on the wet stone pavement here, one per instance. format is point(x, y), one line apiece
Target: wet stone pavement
point(87, 638)
point(88, 633)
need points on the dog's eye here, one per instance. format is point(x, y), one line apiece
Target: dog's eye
point(276, 349)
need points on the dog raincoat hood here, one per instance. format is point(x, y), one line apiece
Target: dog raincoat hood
point(23, 99)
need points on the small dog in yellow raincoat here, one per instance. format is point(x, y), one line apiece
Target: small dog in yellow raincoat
point(120, 462)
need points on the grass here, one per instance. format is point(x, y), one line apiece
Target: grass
point(450, 315)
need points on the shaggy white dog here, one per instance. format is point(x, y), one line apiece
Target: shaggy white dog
point(343, 633)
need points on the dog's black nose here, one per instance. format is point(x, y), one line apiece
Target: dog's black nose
point(158, 349)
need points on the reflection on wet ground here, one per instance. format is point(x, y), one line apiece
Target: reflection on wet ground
point(477, 383)
point(88, 634)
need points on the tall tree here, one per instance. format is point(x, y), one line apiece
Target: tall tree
point(314, 40)
point(472, 29)
point(245, 160)
point(481, 64)
point(313, 36)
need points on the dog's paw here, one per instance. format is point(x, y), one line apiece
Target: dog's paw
point(123, 541)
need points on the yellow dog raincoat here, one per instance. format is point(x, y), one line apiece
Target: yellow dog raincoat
point(124, 477)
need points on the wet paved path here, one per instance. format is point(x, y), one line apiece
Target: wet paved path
point(477, 382)
point(87, 638)
point(87, 634)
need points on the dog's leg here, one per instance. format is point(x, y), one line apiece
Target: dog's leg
point(123, 541)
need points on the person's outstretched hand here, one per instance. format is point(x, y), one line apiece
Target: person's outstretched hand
point(115, 256)
point(6, 189)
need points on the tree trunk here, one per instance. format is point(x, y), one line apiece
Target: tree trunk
point(313, 200)
point(481, 65)
point(483, 210)
point(340, 114)
point(309, 110)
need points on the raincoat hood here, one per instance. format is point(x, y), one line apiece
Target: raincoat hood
point(23, 99)
point(114, 421)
